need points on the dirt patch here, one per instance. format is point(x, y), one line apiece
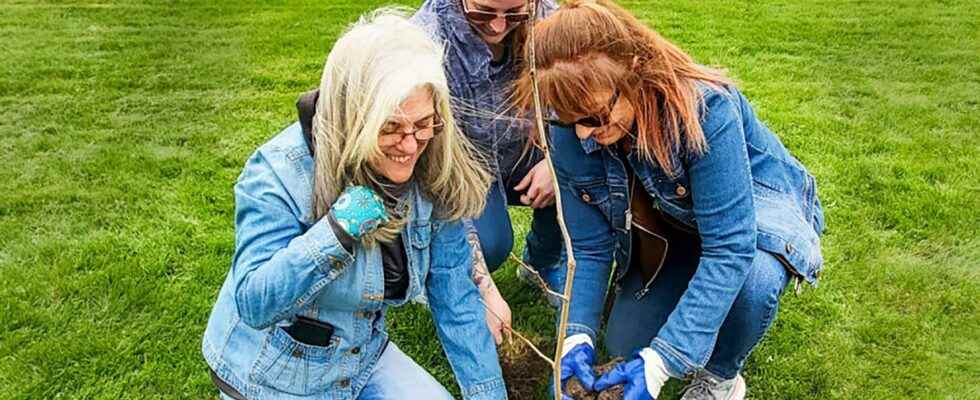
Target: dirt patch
point(526, 374)
point(575, 390)
point(524, 371)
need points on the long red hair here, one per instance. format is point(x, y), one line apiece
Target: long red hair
point(588, 45)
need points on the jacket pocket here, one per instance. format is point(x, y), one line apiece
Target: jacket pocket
point(594, 193)
point(783, 232)
point(289, 366)
point(421, 234)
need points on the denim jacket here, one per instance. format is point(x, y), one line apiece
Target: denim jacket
point(745, 193)
point(480, 88)
point(288, 264)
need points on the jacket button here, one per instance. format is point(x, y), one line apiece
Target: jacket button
point(355, 351)
point(789, 248)
point(298, 352)
point(681, 191)
point(586, 198)
point(344, 383)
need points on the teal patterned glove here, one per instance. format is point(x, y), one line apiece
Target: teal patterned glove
point(359, 211)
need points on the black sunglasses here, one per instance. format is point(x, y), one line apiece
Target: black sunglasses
point(594, 121)
point(487, 16)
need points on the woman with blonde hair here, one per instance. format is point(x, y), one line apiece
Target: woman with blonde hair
point(665, 168)
point(350, 211)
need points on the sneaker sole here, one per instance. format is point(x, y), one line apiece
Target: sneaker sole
point(740, 389)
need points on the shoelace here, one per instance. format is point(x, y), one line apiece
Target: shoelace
point(699, 388)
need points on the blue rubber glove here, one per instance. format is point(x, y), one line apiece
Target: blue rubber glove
point(359, 211)
point(631, 373)
point(644, 376)
point(578, 362)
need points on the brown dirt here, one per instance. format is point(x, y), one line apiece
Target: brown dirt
point(524, 372)
point(575, 390)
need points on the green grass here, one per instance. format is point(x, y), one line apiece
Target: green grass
point(124, 125)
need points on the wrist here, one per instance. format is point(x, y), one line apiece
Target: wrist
point(488, 289)
point(345, 239)
point(654, 371)
point(575, 340)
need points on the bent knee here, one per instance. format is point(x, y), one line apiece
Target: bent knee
point(766, 281)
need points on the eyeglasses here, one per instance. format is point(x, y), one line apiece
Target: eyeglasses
point(597, 120)
point(393, 136)
point(487, 16)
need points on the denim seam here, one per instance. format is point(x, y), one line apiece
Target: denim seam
point(483, 387)
point(319, 251)
point(766, 322)
point(580, 328)
point(676, 355)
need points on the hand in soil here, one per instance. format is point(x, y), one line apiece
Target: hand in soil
point(575, 390)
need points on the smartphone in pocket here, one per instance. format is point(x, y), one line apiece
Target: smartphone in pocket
point(310, 331)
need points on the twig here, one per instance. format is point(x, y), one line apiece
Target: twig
point(570, 276)
point(537, 278)
point(519, 335)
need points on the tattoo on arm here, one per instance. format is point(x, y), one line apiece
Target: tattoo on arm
point(480, 273)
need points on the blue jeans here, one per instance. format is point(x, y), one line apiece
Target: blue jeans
point(397, 376)
point(634, 323)
point(544, 241)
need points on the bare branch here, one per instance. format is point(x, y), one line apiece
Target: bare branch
point(537, 278)
point(570, 276)
point(519, 336)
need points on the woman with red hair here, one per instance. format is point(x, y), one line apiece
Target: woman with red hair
point(665, 169)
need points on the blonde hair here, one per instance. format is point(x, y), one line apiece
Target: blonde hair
point(370, 71)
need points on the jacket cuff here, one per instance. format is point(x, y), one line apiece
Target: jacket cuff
point(678, 366)
point(573, 329)
point(343, 237)
point(490, 390)
point(322, 246)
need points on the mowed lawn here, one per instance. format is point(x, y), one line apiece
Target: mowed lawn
point(123, 126)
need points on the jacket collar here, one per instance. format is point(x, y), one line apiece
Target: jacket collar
point(590, 145)
point(306, 108)
point(461, 34)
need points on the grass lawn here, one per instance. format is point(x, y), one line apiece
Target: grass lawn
point(123, 126)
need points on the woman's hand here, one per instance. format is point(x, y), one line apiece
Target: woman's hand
point(539, 185)
point(643, 376)
point(359, 211)
point(577, 360)
point(498, 314)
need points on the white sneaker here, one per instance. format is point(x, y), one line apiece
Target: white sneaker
point(706, 386)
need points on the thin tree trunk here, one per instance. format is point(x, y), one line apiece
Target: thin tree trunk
point(543, 139)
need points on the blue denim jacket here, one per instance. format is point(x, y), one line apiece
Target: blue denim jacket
point(746, 193)
point(479, 87)
point(287, 264)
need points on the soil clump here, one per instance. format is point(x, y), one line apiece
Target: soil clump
point(574, 389)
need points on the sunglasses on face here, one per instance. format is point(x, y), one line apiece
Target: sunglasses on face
point(478, 16)
point(597, 120)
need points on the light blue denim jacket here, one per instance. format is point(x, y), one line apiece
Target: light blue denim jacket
point(480, 89)
point(746, 193)
point(287, 264)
